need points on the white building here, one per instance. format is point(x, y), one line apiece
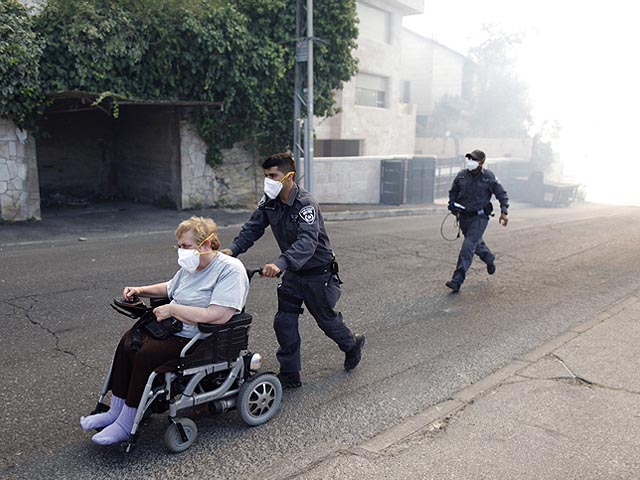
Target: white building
point(376, 118)
point(430, 71)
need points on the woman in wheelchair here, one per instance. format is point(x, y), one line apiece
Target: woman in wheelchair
point(210, 287)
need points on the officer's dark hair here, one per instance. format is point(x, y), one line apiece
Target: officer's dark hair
point(283, 161)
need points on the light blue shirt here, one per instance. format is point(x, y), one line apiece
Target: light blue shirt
point(224, 282)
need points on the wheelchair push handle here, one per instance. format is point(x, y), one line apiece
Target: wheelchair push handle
point(251, 273)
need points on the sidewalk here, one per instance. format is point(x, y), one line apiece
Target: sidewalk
point(567, 410)
point(118, 219)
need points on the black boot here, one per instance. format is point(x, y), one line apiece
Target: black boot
point(352, 357)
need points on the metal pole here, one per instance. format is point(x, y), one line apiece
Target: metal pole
point(297, 93)
point(308, 137)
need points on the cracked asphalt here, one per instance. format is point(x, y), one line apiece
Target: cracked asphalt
point(571, 413)
point(556, 269)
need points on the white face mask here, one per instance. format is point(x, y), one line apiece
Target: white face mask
point(188, 259)
point(272, 188)
point(472, 165)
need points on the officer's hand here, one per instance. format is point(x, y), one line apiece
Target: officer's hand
point(503, 219)
point(270, 270)
point(227, 251)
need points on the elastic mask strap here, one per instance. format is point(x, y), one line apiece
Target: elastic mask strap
point(285, 177)
point(200, 244)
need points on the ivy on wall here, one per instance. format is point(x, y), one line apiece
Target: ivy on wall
point(20, 52)
point(238, 52)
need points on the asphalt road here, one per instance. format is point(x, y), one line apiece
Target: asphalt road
point(555, 268)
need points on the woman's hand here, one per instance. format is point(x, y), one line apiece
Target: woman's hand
point(163, 312)
point(129, 292)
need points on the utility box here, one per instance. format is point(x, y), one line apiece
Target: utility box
point(407, 181)
point(392, 178)
point(421, 174)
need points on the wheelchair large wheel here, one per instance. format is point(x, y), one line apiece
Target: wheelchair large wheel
point(174, 441)
point(259, 399)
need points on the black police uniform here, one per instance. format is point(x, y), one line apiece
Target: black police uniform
point(310, 271)
point(470, 195)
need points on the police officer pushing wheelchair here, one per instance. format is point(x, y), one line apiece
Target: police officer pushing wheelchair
point(310, 272)
point(470, 202)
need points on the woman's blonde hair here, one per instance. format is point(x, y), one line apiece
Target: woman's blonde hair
point(203, 229)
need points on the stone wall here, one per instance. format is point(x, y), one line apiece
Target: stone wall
point(19, 189)
point(348, 179)
point(230, 184)
point(239, 178)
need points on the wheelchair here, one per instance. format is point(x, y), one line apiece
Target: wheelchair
point(218, 370)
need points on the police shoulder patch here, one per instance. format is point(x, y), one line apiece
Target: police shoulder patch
point(308, 214)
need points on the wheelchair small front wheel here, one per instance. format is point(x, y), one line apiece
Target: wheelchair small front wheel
point(259, 399)
point(173, 438)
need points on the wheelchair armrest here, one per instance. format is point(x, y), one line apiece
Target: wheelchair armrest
point(134, 308)
point(238, 320)
point(156, 302)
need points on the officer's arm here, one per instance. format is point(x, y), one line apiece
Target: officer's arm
point(303, 248)
point(250, 232)
point(453, 193)
point(501, 194)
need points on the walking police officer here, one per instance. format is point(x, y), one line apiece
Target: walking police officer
point(470, 201)
point(309, 266)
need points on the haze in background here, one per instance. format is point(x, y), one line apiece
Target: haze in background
point(580, 59)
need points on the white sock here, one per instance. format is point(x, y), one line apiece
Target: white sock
point(100, 420)
point(119, 430)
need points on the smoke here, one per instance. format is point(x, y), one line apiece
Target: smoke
point(581, 63)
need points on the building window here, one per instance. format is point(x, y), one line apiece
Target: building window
point(375, 24)
point(337, 148)
point(371, 90)
point(406, 91)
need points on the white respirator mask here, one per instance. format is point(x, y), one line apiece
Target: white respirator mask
point(189, 259)
point(273, 187)
point(472, 165)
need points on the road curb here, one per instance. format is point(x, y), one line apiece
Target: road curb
point(426, 419)
point(430, 418)
point(368, 214)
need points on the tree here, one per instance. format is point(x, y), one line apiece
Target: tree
point(450, 115)
point(238, 52)
point(20, 52)
point(498, 102)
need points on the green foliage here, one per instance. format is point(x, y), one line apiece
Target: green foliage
point(20, 51)
point(238, 52)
